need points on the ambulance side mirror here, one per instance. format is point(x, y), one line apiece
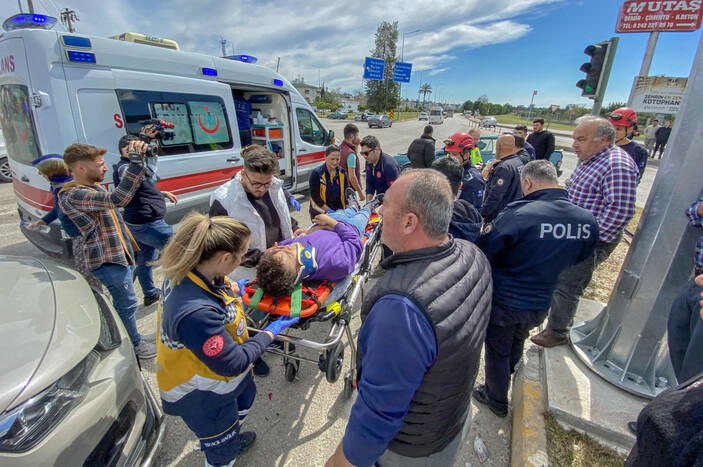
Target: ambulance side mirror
point(330, 138)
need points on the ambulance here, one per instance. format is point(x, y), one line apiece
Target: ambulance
point(60, 88)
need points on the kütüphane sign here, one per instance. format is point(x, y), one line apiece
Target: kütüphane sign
point(663, 15)
point(658, 94)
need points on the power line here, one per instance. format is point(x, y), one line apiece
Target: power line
point(67, 16)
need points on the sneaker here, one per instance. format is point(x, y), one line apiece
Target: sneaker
point(261, 368)
point(632, 426)
point(352, 200)
point(375, 202)
point(149, 337)
point(278, 345)
point(549, 338)
point(482, 397)
point(151, 299)
point(145, 350)
point(246, 440)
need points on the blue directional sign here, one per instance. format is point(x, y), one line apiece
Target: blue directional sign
point(401, 73)
point(373, 68)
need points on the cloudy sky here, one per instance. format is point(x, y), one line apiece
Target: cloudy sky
point(465, 48)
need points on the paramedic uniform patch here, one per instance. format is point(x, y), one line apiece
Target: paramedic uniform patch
point(213, 345)
point(241, 327)
point(500, 182)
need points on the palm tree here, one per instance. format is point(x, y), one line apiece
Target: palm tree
point(425, 89)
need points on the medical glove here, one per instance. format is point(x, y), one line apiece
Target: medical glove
point(284, 322)
point(294, 202)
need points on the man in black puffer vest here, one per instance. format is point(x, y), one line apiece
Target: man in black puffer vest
point(144, 216)
point(422, 329)
point(421, 150)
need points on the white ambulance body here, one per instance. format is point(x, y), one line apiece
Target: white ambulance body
point(60, 88)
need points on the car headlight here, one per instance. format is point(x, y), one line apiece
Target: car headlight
point(109, 331)
point(26, 425)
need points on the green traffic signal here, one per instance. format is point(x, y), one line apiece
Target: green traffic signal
point(593, 69)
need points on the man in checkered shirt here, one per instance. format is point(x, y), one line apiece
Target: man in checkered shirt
point(604, 183)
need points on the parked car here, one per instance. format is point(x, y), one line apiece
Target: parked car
point(71, 392)
point(487, 145)
point(423, 116)
point(380, 121)
point(338, 115)
point(488, 122)
point(361, 118)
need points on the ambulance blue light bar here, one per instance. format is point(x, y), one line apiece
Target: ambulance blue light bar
point(278, 82)
point(28, 21)
point(75, 41)
point(243, 58)
point(80, 57)
point(208, 71)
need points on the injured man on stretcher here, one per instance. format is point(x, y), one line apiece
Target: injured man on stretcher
point(329, 250)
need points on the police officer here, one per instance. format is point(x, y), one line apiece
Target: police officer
point(528, 245)
point(502, 179)
point(460, 147)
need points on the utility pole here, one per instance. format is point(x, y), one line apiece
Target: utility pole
point(67, 16)
point(30, 5)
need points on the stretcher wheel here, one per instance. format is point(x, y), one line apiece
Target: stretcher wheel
point(348, 386)
point(334, 361)
point(291, 371)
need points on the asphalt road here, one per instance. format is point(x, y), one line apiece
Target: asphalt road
point(299, 423)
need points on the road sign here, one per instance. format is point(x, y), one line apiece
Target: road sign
point(553, 108)
point(658, 94)
point(391, 114)
point(373, 68)
point(671, 16)
point(401, 72)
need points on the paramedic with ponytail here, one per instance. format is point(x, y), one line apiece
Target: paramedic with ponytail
point(205, 354)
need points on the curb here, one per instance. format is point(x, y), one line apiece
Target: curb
point(529, 435)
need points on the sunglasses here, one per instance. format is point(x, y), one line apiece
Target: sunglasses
point(257, 185)
point(366, 153)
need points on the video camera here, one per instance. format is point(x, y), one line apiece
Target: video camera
point(164, 131)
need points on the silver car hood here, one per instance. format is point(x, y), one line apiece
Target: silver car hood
point(49, 322)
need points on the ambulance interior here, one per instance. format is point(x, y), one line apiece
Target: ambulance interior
point(271, 126)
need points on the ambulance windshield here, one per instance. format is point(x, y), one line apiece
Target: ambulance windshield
point(17, 123)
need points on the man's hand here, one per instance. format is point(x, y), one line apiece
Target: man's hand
point(338, 459)
point(325, 222)
point(137, 151)
point(700, 209)
point(299, 232)
point(150, 130)
point(170, 196)
point(488, 168)
point(36, 224)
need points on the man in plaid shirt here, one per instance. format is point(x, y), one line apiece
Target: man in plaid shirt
point(108, 243)
point(604, 183)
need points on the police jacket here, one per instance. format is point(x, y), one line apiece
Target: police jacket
point(451, 285)
point(531, 242)
point(421, 152)
point(473, 186)
point(503, 187)
point(147, 204)
point(203, 347)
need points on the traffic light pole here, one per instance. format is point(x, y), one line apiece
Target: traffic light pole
point(608, 65)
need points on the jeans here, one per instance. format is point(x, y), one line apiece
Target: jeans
point(572, 283)
point(505, 340)
point(151, 237)
point(658, 146)
point(685, 333)
point(118, 280)
point(351, 216)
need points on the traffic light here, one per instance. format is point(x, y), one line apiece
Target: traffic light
point(596, 70)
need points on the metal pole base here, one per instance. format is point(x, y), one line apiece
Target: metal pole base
point(593, 342)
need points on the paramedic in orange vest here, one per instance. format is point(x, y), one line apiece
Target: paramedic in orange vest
point(328, 183)
point(204, 351)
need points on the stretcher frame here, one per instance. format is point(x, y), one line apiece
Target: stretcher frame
point(339, 314)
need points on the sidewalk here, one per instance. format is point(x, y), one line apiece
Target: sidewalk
point(556, 380)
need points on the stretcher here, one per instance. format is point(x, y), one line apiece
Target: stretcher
point(320, 302)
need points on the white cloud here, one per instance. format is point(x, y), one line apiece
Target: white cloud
point(336, 36)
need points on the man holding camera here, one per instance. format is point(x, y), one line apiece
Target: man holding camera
point(144, 215)
point(109, 252)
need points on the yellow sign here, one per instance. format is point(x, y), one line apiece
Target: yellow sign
point(391, 114)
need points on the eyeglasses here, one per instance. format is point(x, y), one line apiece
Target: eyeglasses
point(257, 185)
point(366, 153)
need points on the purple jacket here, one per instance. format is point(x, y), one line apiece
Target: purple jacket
point(336, 252)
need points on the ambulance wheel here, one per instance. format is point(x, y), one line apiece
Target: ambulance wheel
point(5, 172)
point(291, 371)
point(348, 386)
point(334, 360)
